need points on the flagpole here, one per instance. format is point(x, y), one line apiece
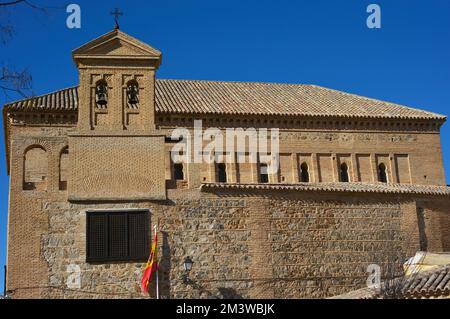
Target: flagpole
point(157, 267)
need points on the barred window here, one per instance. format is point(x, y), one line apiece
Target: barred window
point(117, 236)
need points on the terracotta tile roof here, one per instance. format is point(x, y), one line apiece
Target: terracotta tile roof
point(62, 100)
point(271, 98)
point(431, 283)
point(244, 98)
point(434, 283)
point(339, 187)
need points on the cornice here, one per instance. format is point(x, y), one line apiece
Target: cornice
point(379, 188)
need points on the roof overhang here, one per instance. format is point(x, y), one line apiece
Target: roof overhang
point(380, 188)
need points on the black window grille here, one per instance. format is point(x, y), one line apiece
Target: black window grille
point(117, 236)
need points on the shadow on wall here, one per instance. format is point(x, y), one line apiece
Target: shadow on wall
point(164, 268)
point(422, 230)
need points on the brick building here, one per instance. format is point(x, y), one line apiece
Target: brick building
point(91, 173)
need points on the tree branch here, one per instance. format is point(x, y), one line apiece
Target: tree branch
point(11, 3)
point(19, 82)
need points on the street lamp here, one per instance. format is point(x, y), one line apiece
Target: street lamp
point(187, 264)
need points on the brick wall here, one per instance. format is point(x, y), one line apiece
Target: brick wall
point(116, 168)
point(409, 158)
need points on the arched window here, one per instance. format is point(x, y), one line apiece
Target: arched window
point(178, 173)
point(35, 169)
point(344, 173)
point(263, 173)
point(304, 174)
point(132, 93)
point(221, 173)
point(382, 173)
point(63, 168)
point(101, 94)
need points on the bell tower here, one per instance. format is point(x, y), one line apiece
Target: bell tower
point(117, 83)
point(115, 150)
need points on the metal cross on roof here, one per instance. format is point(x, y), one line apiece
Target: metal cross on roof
point(116, 13)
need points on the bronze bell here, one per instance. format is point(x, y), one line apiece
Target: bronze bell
point(133, 94)
point(101, 94)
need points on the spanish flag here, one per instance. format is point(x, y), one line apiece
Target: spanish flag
point(151, 266)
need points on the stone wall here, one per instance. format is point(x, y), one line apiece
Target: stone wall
point(322, 248)
point(268, 245)
point(214, 233)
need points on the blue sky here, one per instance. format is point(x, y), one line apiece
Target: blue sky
point(324, 42)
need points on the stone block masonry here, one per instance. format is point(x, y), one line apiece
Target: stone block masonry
point(253, 247)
